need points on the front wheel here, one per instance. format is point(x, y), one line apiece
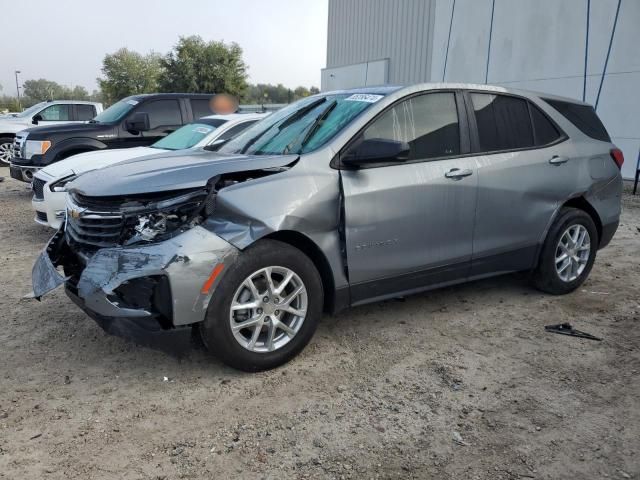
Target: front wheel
point(6, 149)
point(266, 308)
point(568, 253)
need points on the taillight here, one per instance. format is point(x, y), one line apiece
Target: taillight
point(617, 156)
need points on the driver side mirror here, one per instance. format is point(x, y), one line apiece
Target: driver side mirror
point(36, 118)
point(375, 150)
point(139, 122)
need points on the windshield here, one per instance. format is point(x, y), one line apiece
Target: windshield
point(115, 112)
point(31, 110)
point(187, 136)
point(302, 126)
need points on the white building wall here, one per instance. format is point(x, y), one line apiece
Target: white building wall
point(535, 44)
point(362, 31)
point(540, 45)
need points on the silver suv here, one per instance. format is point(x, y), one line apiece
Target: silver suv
point(340, 199)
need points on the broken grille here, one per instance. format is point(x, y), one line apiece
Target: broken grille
point(95, 229)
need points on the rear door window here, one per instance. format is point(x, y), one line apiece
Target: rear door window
point(584, 117)
point(56, 113)
point(428, 123)
point(502, 121)
point(162, 113)
point(200, 108)
point(85, 112)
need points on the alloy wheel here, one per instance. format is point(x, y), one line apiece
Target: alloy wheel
point(572, 253)
point(268, 309)
point(6, 150)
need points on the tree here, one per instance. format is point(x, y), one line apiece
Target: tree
point(43, 89)
point(196, 66)
point(129, 73)
point(268, 93)
point(301, 92)
point(9, 104)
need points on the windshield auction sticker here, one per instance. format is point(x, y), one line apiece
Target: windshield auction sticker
point(364, 97)
point(203, 130)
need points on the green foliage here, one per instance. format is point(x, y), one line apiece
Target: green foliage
point(9, 104)
point(196, 66)
point(192, 66)
point(128, 73)
point(267, 93)
point(42, 89)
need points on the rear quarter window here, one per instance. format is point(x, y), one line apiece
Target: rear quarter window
point(583, 117)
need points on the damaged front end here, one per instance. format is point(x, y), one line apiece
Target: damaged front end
point(144, 258)
point(137, 248)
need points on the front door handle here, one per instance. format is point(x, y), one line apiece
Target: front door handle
point(557, 160)
point(457, 174)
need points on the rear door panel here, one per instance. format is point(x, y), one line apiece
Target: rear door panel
point(518, 194)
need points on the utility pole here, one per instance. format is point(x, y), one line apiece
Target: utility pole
point(18, 90)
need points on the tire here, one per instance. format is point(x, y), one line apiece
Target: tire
point(234, 347)
point(6, 144)
point(548, 276)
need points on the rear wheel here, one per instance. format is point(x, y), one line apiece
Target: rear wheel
point(568, 253)
point(266, 309)
point(6, 147)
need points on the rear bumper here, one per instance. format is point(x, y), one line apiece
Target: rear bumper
point(608, 231)
point(156, 284)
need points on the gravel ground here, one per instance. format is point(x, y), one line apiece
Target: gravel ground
point(457, 383)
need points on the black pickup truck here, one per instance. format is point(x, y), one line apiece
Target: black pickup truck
point(134, 121)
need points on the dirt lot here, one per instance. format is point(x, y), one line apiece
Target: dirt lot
point(457, 383)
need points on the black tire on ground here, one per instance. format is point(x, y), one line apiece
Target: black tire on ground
point(545, 276)
point(216, 328)
point(4, 141)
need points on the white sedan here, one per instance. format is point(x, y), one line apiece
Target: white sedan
point(49, 184)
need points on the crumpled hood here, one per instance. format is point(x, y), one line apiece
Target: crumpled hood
point(174, 171)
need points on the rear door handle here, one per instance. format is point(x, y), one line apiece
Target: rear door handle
point(557, 160)
point(457, 174)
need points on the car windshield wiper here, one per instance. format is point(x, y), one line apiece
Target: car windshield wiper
point(317, 123)
point(297, 115)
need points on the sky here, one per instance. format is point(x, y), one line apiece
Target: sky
point(284, 41)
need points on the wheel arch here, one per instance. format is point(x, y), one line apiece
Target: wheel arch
point(7, 135)
point(315, 254)
point(579, 202)
point(77, 145)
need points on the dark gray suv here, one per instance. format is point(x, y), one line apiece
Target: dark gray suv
point(339, 199)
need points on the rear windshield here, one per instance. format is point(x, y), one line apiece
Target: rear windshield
point(584, 117)
point(187, 136)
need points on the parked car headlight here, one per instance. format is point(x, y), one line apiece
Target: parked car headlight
point(36, 147)
point(61, 185)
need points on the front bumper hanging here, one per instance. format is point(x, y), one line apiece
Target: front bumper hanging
point(162, 281)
